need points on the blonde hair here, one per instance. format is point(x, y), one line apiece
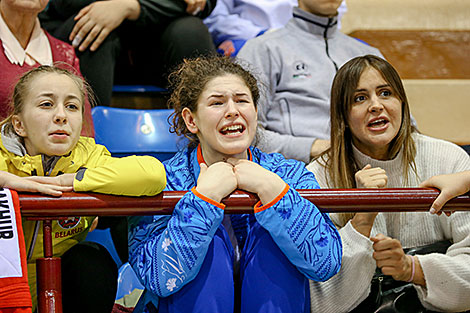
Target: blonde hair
point(21, 90)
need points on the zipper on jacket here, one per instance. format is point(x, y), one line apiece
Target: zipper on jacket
point(48, 167)
point(325, 33)
point(33, 240)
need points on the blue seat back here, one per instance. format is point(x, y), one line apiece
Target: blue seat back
point(127, 281)
point(138, 89)
point(130, 131)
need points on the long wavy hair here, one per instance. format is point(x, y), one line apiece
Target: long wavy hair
point(339, 159)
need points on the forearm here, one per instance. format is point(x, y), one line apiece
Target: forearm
point(305, 236)
point(180, 247)
point(4, 178)
point(129, 176)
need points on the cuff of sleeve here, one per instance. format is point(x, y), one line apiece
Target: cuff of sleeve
point(351, 237)
point(259, 207)
point(209, 200)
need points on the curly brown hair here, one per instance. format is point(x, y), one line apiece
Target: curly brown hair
point(189, 80)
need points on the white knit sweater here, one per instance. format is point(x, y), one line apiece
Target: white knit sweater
point(447, 276)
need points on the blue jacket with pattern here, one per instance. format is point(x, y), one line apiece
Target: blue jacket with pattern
point(166, 252)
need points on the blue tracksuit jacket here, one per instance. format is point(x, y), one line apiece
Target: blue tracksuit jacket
point(166, 252)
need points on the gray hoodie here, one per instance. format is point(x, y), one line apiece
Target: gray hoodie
point(296, 66)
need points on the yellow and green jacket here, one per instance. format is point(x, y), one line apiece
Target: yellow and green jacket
point(97, 171)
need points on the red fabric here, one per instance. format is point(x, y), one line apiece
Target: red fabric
point(14, 291)
point(61, 52)
point(117, 308)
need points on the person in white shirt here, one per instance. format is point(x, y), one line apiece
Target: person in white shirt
point(374, 145)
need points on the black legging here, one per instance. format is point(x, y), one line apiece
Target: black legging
point(89, 279)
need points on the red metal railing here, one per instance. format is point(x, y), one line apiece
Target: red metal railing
point(45, 208)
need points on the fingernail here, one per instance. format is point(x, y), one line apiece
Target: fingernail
point(432, 211)
point(76, 41)
point(197, 10)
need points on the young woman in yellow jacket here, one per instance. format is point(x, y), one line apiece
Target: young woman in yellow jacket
point(41, 151)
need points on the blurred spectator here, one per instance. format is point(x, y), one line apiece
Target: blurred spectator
point(297, 65)
point(26, 45)
point(132, 41)
point(233, 22)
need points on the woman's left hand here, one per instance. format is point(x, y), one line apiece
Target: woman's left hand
point(254, 178)
point(391, 259)
point(195, 6)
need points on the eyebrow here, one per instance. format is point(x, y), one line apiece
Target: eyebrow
point(51, 95)
point(217, 95)
point(378, 87)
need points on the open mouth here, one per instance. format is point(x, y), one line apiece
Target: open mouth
point(232, 129)
point(378, 123)
point(59, 133)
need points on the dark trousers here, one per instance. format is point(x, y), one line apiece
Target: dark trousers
point(131, 54)
point(89, 279)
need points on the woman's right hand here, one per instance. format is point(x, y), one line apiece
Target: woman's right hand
point(17, 183)
point(97, 20)
point(216, 181)
point(368, 177)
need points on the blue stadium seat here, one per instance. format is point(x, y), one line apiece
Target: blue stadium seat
point(138, 89)
point(130, 131)
point(127, 281)
point(127, 132)
point(103, 237)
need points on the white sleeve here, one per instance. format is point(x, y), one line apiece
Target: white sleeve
point(351, 285)
point(448, 276)
point(223, 24)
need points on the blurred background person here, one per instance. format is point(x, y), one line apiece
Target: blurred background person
point(128, 41)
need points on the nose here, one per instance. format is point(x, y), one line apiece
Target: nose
point(60, 116)
point(375, 104)
point(232, 109)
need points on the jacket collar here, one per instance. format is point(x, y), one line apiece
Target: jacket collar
point(314, 24)
point(13, 143)
point(197, 158)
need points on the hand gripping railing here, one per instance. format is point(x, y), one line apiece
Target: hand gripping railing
point(37, 207)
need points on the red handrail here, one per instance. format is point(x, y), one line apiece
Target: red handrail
point(45, 208)
point(327, 200)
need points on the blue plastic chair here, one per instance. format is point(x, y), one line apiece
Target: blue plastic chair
point(127, 132)
point(103, 237)
point(130, 131)
point(138, 89)
point(127, 281)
